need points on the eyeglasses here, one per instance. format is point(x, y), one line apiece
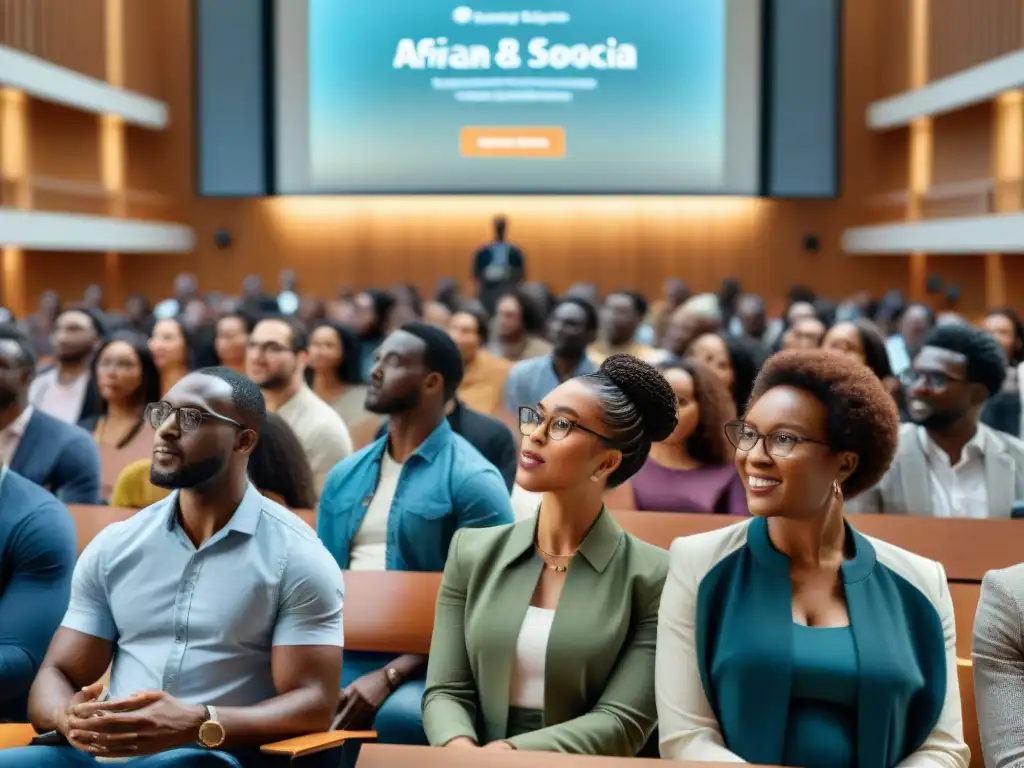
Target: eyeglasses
point(189, 419)
point(931, 379)
point(268, 347)
point(778, 444)
point(559, 427)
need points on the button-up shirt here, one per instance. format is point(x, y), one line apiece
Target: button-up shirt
point(957, 490)
point(10, 436)
point(444, 485)
point(531, 380)
point(200, 623)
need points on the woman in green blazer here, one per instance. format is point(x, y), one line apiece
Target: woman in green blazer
point(545, 630)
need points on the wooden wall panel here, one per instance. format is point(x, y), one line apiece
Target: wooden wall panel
point(63, 143)
point(967, 272)
point(71, 33)
point(963, 33)
point(143, 45)
point(962, 145)
point(68, 273)
point(883, 49)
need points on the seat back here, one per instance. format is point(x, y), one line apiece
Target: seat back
point(993, 543)
point(390, 611)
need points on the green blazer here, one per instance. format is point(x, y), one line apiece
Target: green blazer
point(599, 669)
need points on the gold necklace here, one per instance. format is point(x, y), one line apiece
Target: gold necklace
point(553, 566)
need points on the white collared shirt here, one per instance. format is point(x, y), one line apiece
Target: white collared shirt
point(10, 436)
point(961, 490)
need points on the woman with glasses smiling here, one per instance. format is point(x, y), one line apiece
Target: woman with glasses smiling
point(544, 631)
point(792, 639)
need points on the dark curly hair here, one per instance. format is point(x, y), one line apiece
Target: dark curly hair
point(639, 409)
point(862, 416)
point(708, 443)
point(986, 362)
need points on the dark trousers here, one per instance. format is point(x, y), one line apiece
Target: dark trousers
point(399, 720)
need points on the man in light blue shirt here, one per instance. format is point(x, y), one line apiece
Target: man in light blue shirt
point(396, 504)
point(571, 328)
point(221, 610)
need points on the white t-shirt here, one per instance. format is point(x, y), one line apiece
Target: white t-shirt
point(369, 546)
point(527, 686)
point(62, 401)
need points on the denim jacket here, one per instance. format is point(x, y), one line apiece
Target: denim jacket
point(444, 485)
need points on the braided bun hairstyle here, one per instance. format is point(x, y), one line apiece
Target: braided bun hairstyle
point(639, 409)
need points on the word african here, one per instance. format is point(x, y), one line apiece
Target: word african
point(436, 53)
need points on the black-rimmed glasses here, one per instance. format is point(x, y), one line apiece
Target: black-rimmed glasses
point(559, 427)
point(778, 444)
point(188, 418)
point(931, 379)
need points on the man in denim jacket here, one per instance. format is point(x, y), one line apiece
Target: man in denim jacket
point(396, 504)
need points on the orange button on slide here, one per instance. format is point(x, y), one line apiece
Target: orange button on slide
point(477, 141)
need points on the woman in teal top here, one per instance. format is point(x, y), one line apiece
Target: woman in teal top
point(791, 639)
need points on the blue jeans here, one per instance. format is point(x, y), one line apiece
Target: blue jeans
point(69, 757)
point(186, 757)
point(399, 720)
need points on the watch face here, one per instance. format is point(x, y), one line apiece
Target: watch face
point(211, 734)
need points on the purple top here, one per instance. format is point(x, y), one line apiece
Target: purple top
point(705, 489)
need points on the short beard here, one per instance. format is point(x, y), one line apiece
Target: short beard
point(939, 421)
point(277, 383)
point(192, 475)
point(394, 405)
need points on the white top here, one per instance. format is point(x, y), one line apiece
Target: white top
point(961, 490)
point(321, 432)
point(369, 546)
point(527, 688)
point(62, 401)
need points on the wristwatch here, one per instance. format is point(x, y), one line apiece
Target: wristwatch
point(211, 732)
point(394, 679)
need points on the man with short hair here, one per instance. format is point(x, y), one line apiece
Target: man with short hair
point(275, 359)
point(221, 610)
point(58, 456)
point(571, 328)
point(621, 315)
point(66, 391)
point(396, 504)
point(948, 464)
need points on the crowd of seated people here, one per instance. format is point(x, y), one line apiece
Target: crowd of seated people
point(435, 436)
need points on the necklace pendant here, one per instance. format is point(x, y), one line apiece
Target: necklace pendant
point(560, 568)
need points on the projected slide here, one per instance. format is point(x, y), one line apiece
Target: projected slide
point(561, 96)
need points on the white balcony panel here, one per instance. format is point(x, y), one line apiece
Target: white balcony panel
point(1003, 233)
point(949, 94)
point(45, 80)
point(46, 231)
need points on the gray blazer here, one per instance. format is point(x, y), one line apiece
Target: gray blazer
point(905, 489)
point(998, 653)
